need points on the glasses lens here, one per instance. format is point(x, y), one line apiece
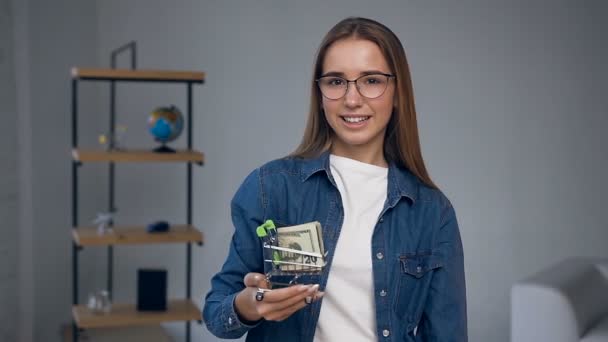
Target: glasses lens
point(372, 86)
point(332, 87)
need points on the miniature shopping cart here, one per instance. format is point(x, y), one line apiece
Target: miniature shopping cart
point(286, 258)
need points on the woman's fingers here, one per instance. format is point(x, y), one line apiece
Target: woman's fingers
point(277, 304)
point(279, 295)
point(286, 303)
point(280, 310)
point(253, 279)
point(309, 291)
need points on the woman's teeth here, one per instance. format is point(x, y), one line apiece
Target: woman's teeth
point(355, 120)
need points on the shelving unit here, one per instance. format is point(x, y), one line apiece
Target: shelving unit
point(126, 314)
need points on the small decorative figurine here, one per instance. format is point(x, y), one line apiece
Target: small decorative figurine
point(114, 141)
point(158, 227)
point(104, 222)
point(99, 303)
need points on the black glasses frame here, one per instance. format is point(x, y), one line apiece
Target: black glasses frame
point(389, 76)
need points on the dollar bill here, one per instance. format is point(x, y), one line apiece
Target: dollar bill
point(306, 238)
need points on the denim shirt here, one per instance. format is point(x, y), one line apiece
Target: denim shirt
point(417, 256)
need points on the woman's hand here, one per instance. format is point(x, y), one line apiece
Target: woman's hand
point(276, 305)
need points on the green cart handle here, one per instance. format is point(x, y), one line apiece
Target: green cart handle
point(266, 228)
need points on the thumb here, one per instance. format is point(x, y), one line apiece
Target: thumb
point(253, 279)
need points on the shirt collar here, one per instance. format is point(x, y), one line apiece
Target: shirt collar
point(401, 182)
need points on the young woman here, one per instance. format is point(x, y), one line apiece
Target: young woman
point(394, 267)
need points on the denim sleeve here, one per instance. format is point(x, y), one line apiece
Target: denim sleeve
point(244, 256)
point(444, 317)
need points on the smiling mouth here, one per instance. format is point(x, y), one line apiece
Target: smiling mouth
point(355, 119)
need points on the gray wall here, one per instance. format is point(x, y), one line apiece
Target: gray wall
point(9, 185)
point(511, 113)
point(49, 38)
point(510, 117)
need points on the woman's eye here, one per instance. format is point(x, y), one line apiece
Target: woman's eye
point(335, 81)
point(373, 80)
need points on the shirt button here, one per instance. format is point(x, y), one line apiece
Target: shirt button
point(382, 219)
point(385, 333)
point(382, 293)
point(379, 255)
point(418, 269)
point(230, 320)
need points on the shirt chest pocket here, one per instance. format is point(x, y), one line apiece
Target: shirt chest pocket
point(413, 282)
point(419, 265)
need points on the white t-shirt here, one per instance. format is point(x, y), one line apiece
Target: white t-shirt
point(348, 311)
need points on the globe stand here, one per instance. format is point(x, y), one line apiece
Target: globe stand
point(164, 149)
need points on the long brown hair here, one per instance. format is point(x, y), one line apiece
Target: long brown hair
point(401, 141)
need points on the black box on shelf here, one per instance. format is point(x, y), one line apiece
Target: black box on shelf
point(151, 290)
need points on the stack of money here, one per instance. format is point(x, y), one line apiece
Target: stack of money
point(301, 247)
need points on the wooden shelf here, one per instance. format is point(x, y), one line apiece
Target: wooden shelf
point(127, 315)
point(140, 333)
point(137, 75)
point(134, 235)
point(137, 156)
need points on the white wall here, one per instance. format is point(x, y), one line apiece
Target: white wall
point(511, 110)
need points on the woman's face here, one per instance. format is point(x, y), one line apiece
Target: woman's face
point(359, 123)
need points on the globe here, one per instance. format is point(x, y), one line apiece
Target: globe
point(165, 124)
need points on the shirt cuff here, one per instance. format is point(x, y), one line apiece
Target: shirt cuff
point(231, 319)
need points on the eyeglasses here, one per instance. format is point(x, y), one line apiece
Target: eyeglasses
point(370, 86)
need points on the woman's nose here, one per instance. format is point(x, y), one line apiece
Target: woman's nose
point(353, 97)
